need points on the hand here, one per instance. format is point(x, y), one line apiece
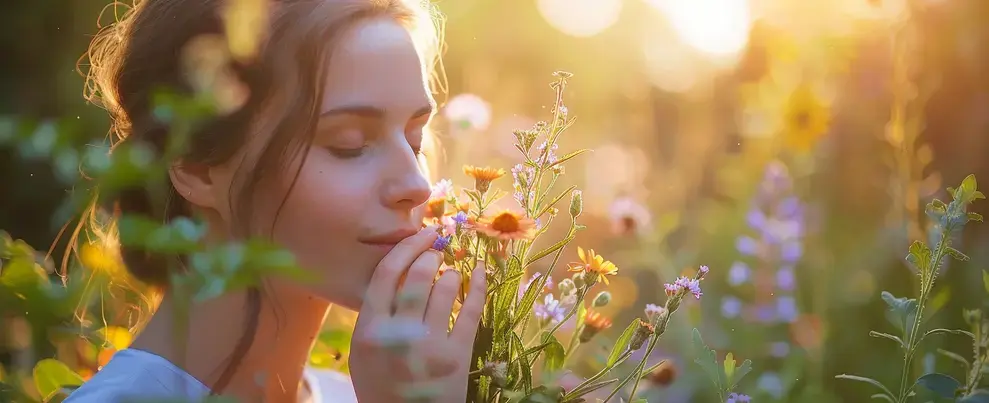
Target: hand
point(402, 349)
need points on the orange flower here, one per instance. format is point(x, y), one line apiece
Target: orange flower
point(483, 176)
point(594, 264)
point(435, 207)
point(594, 323)
point(507, 225)
point(663, 375)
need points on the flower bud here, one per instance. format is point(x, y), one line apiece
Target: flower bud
point(642, 333)
point(579, 280)
point(602, 299)
point(566, 286)
point(576, 203)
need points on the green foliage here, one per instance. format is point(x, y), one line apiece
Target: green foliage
point(725, 376)
point(907, 314)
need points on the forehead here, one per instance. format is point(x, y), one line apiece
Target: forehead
point(376, 63)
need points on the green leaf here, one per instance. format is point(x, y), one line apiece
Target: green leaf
point(622, 343)
point(883, 397)
point(955, 357)
point(545, 252)
point(569, 156)
point(888, 336)
point(969, 185)
point(958, 255)
point(554, 354)
point(985, 280)
point(708, 361)
point(901, 312)
point(866, 380)
point(978, 397)
point(975, 217)
point(50, 375)
point(919, 256)
point(937, 302)
point(555, 200)
point(524, 307)
point(952, 331)
point(22, 273)
point(941, 384)
point(740, 372)
point(729, 365)
point(639, 400)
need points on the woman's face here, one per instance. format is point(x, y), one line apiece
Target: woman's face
point(358, 190)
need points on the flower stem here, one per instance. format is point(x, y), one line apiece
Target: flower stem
point(927, 282)
point(577, 389)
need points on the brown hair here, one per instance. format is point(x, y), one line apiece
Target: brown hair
point(141, 52)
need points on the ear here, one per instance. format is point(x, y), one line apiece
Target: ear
point(194, 183)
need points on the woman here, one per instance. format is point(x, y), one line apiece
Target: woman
point(322, 156)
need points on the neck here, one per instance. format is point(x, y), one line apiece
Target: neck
point(270, 369)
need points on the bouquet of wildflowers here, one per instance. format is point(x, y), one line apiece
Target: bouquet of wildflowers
point(517, 355)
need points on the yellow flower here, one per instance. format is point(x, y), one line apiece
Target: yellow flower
point(805, 119)
point(97, 258)
point(594, 264)
point(507, 225)
point(483, 176)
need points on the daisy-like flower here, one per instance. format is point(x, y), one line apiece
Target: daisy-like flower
point(550, 312)
point(507, 225)
point(594, 323)
point(594, 266)
point(435, 207)
point(468, 111)
point(684, 284)
point(483, 176)
point(442, 189)
point(628, 216)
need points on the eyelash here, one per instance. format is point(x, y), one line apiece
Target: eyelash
point(348, 153)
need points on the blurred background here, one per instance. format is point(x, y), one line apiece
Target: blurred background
point(790, 145)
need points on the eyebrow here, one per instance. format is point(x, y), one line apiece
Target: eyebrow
point(371, 112)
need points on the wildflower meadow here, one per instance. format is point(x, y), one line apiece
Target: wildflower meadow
point(708, 201)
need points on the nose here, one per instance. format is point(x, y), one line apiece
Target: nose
point(408, 187)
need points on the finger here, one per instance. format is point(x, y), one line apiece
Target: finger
point(384, 282)
point(440, 303)
point(413, 296)
point(466, 327)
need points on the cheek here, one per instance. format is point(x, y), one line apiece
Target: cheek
point(323, 217)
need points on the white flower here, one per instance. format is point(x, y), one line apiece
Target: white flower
point(469, 111)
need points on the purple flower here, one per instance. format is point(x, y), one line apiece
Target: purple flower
point(460, 218)
point(550, 310)
point(756, 219)
point(765, 313)
point(738, 273)
point(546, 286)
point(771, 383)
point(779, 349)
point(442, 242)
point(791, 251)
point(684, 284)
point(730, 307)
point(786, 309)
point(789, 208)
point(747, 245)
point(738, 398)
point(785, 279)
point(703, 271)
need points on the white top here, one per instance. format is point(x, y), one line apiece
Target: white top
point(135, 373)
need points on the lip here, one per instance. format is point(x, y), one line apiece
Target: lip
point(389, 238)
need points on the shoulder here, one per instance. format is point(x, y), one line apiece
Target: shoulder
point(327, 385)
point(135, 373)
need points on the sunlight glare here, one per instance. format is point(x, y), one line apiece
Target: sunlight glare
point(580, 18)
point(715, 27)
